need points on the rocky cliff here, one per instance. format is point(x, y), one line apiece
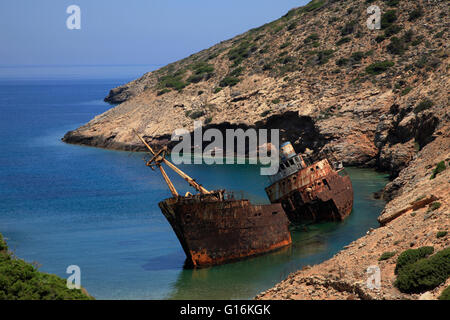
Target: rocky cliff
point(375, 98)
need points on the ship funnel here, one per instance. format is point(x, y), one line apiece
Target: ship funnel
point(287, 151)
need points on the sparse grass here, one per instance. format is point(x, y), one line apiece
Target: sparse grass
point(423, 105)
point(415, 14)
point(391, 30)
point(405, 91)
point(195, 114)
point(229, 82)
point(386, 256)
point(343, 40)
point(241, 52)
point(397, 46)
point(348, 28)
point(312, 37)
point(434, 206)
point(163, 91)
point(441, 234)
point(440, 167)
point(285, 45)
point(324, 56)
point(265, 113)
point(388, 18)
point(379, 67)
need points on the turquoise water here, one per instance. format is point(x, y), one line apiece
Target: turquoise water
point(64, 205)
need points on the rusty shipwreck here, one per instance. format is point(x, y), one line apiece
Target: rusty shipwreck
point(214, 227)
point(310, 192)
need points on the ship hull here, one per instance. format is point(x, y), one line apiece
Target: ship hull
point(215, 232)
point(316, 193)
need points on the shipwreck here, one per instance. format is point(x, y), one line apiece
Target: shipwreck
point(215, 227)
point(312, 192)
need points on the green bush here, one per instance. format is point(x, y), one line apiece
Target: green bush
point(357, 56)
point(397, 46)
point(380, 38)
point(434, 206)
point(311, 38)
point(163, 91)
point(342, 62)
point(445, 295)
point(388, 18)
point(392, 3)
point(348, 28)
point(3, 246)
point(391, 30)
point(241, 52)
point(411, 256)
point(379, 67)
point(276, 101)
point(229, 82)
point(406, 91)
point(324, 56)
point(173, 81)
point(386, 256)
point(265, 113)
point(441, 234)
point(423, 105)
point(217, 90)
point(195, 114)
point(424, 274)
point(439, 168)
point(20, 280)
point(343, 40)
point(285, 45)
point(208, 120)
point(201, 71)
point(415, 14)
point(236, 72)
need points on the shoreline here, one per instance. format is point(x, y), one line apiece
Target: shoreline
point(408, 223)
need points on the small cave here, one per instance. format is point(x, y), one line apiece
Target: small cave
point(301, 131)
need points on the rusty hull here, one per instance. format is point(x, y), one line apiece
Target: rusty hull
point(214, 232)
point(315, 193)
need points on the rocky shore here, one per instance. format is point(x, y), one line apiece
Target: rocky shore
point(409, 221)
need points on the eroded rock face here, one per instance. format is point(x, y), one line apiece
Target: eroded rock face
point(363, 118)
point(311, 74)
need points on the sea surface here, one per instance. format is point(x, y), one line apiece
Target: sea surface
point(63, 205)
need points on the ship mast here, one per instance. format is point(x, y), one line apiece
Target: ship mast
point(159, 158)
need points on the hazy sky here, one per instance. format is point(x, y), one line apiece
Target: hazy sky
point(118, 32)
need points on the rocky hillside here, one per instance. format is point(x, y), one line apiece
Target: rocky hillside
point(375, 97)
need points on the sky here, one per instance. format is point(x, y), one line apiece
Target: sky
point(118, 32)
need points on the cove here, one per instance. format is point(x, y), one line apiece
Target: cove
point(63, 205)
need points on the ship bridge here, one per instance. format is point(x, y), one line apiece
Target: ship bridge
point(291, 162)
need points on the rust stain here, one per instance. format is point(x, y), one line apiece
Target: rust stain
point(214, 232)
point(314, 193)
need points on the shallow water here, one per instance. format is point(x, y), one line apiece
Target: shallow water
point(64, 205)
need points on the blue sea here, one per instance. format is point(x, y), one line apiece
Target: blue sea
point(64, 205)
